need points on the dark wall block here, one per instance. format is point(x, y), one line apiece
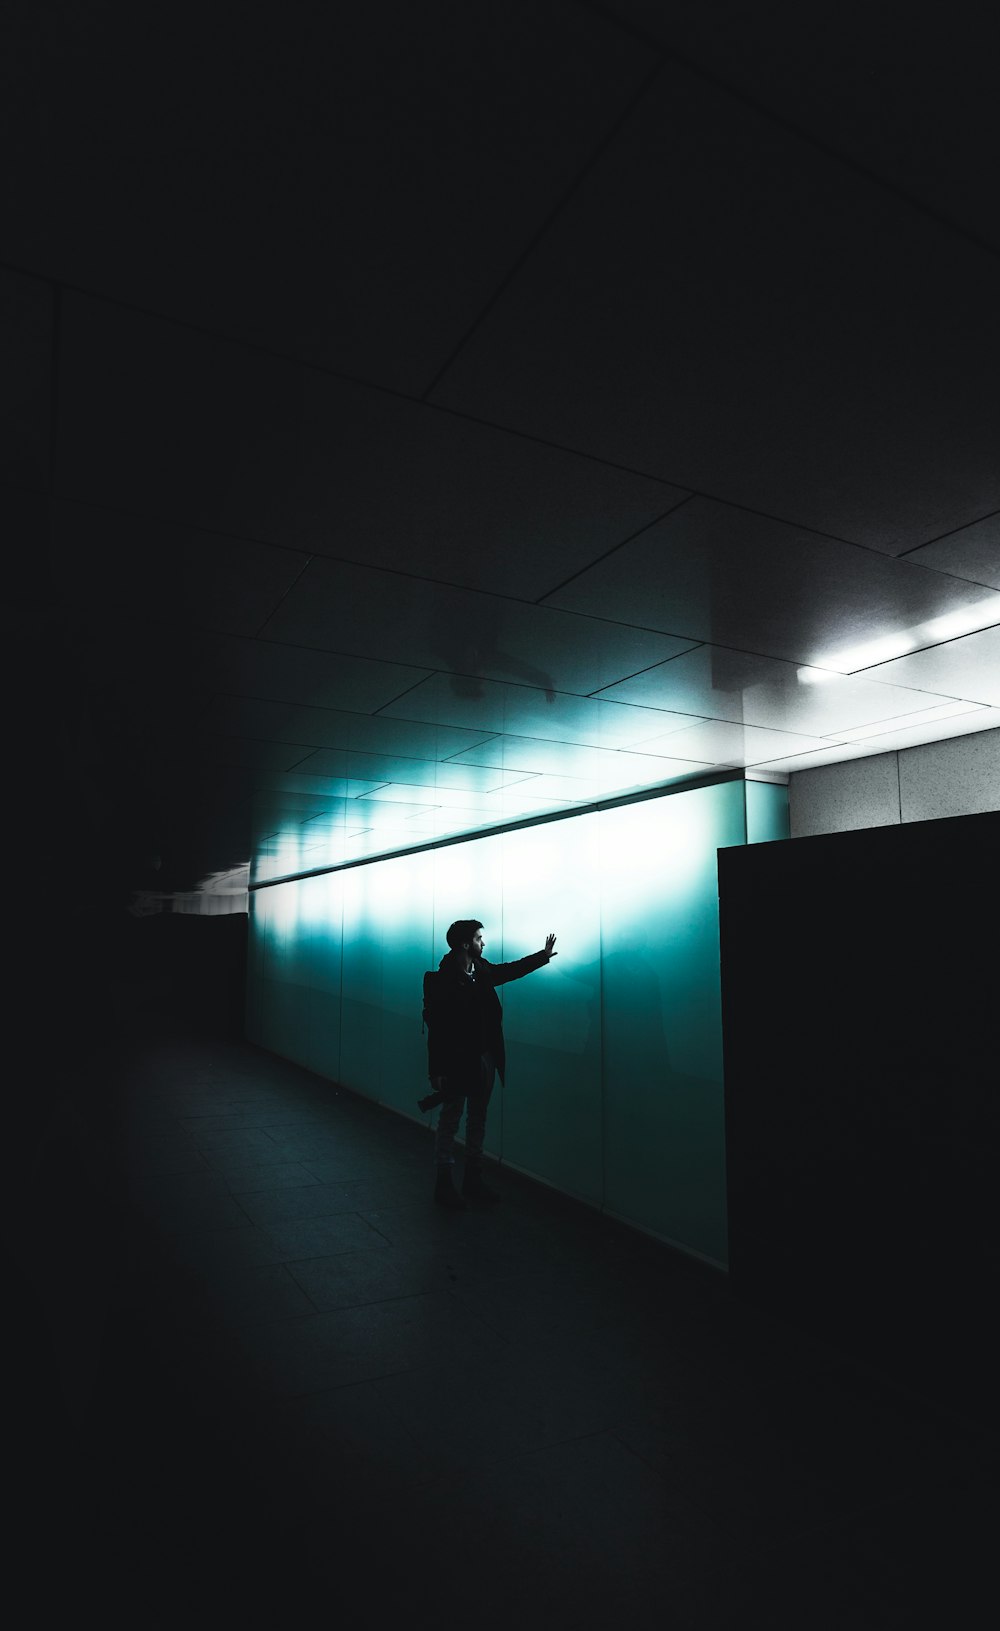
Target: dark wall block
point(860, 1023)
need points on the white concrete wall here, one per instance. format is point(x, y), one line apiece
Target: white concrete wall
point(959, 776)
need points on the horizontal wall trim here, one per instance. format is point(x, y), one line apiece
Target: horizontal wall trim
point(686, 786)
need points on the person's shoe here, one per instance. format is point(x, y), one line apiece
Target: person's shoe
point(445, 1192)
point(474, 1188)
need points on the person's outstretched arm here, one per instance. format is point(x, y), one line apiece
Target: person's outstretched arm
point(503, 973)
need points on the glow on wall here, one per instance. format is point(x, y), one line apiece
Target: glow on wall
point(661, 1013)
point(614, 1087)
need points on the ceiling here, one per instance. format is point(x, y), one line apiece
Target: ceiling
point(434, 415)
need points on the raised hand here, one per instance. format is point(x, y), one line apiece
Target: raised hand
point(550, 941)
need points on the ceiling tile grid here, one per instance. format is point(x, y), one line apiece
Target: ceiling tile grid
point(845, 74)
point(270, 673)
point(354, 609)
point(461, 416)
point(967, 668)
point(891, 741)
point(972, 553)
point(523, 710)
point(713, 573)
point(386, 161)
point(770, 327)
point(350, 732)
point(745, 689)
point(219, 436)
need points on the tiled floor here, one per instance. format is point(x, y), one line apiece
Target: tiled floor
point(261, 1379)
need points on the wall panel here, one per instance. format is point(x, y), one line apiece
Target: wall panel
point(960, 776)
point(552, 1113)
point(661, 1013)
point(294, 971)
point(614, 1090)
point(767, 812)
point(361, 1054)
point(403, 904)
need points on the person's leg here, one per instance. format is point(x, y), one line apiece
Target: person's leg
point(447, 1127)
point(473, 1186)
point(444, 1152)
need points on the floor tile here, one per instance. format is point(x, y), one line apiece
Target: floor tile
point(352, 1278)
point(310, 1200)
point(303, 1238)
point(248, 1178)
point(301, 1368)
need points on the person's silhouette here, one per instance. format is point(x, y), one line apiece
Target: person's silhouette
point(465, 1051)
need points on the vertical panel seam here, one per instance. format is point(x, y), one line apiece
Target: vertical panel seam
point(899, 788)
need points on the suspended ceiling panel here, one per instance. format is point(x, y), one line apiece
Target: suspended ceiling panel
point(428, 417)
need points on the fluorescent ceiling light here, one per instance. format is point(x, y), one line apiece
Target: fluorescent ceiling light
point(980, 615)
point(864, 656)
point(816, 676)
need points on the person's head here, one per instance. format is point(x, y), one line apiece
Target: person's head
point(466, 935)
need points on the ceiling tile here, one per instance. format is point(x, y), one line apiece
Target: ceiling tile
point(520, 800)
point(572, 771)
point(972, 553)
point(134, 565)
point(158, 418)
point(716, 742)
point(565, 562)
point(889, 741)
point(267, 806)
point(348, 788)
point(328, 728)
point(713, 573)
point(415, 772)
point(968, 667)
point(520, 710)
point(277, 785)
point(245, 751)
point(750, 690)
point(270, 671)
point(845, 73)
point(342, 607)
point(734, 310)
point(564, 790)
point(347, 185)
point(349, 815)
point(431, 795)
point(250, 444)
point(940, 714)
point(398, 484)
point(391, 812)
point(568, 790)
point(607, 766)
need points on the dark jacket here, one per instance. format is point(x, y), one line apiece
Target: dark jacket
point(464, 1017)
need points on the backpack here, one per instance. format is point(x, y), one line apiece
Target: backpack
point(431, 979)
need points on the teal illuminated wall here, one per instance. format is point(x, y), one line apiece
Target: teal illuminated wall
point(614, 1083)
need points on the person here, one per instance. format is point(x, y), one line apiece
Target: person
point(465, 1051)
